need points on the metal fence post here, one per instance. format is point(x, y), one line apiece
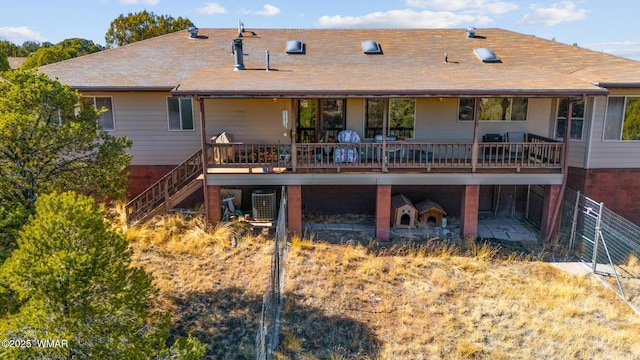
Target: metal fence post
point(596, 237)
point(575, 221)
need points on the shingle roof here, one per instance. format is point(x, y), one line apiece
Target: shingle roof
point(412, 63)
point(15, 61)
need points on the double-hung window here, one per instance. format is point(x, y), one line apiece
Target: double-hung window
point(104, 104)
point(180, 113)
point(493, 109)
point(402, 116)
point(577, 119)
point(623, 118)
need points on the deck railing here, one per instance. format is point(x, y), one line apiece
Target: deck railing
point(536, 152)
point(162, 190)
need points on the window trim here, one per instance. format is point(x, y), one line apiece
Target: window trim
point(366, 116)
point(476, 110)
point(624, 111)
point(319, 129)
point(112, 109)
point(193, 117)
point(555, 128)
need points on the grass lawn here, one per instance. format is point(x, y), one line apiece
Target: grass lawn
point(357, 302)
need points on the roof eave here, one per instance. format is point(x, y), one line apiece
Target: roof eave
point(386, 93)
point(123, 88)
point(618, 85)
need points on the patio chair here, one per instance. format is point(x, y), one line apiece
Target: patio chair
point(515, 151)
point(492, 152)
point(345, 151)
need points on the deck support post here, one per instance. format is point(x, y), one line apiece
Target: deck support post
point(383, 212)
point(214, 204)
point(294, 209)
point(469, 213)
point(550, 203)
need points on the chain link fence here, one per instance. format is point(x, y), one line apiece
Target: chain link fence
point(598, 236)
point(272, 301)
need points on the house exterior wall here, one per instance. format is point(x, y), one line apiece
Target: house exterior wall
point(260, 120)
point(578, 148)
point(610, 154)
point(252, 121)
point(143, 118)
point(618, 189)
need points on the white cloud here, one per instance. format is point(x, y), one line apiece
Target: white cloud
point(564, 11)
point(18, 35)
point(135, 2)
point(494, 7)
point(268, 10)
point(402, 19)
point(627, 49)
point(211, 9)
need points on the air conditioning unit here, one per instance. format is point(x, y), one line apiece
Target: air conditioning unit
point(264, 204)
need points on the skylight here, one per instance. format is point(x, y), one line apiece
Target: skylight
point(487, 55)
point(295, 47)
point(371, 47)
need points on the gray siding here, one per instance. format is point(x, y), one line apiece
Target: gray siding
point(143, 118)
point(609, 154)
point(253, 121)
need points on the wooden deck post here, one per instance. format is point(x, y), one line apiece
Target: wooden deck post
point(550, 202)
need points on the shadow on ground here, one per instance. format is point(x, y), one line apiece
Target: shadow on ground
point(227, 321)
point(307, 332)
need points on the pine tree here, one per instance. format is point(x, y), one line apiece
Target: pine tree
point(73, 280)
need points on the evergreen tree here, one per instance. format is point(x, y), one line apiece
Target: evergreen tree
point(73, 280)
point(46, 145)
point(141, 26)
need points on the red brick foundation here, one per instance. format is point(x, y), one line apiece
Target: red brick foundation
point(213, 203)
point(383, 212)
point(294, 209)
point(618, 189)
point(143, 176)
point(469, 211)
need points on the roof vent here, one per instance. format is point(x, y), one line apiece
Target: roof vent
point(238, 55)
point(295, 47)
point(486, 55)
point(371, 47)
point(193, 32)
point(471, 32)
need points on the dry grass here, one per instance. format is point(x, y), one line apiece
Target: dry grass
point(359, 302)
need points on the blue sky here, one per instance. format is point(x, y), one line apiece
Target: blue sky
point(608, 26)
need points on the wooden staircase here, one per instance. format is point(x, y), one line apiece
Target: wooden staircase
point(169, 191)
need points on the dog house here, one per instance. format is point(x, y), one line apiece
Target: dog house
point(402, 211)
point(430, 212)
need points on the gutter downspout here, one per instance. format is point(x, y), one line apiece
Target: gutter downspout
point(203, 144)
point(565, 169)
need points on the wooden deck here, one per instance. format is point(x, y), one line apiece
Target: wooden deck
point(537, 154)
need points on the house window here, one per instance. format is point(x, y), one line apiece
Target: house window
point(623, 118)
point(180, 112)
point(493, 109)
point(402, 115)
point(577, 119)
point(332, 115)
point(104, 104)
